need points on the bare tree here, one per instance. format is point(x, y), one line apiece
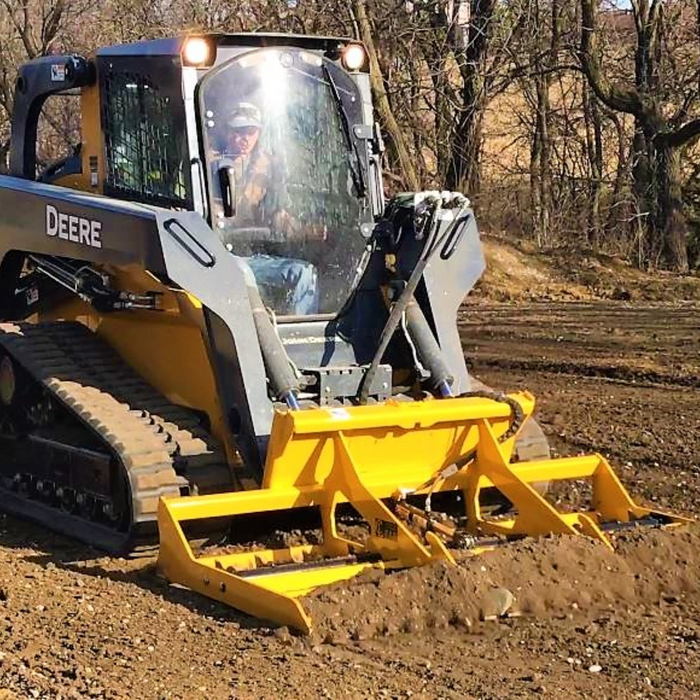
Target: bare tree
point(384, 107)
point(526, 104)
point(663, 115)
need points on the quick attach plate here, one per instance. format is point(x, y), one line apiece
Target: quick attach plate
point(338, 383)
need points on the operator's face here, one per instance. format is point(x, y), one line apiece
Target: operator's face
point(243, 139)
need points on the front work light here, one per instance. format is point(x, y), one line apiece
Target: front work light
point(354, 57)
point(197, 52)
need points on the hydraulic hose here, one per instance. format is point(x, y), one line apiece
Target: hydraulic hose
point(284, 383)
point(429, 352)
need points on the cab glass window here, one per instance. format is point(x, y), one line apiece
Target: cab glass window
point(145, 138)
point(287, 175)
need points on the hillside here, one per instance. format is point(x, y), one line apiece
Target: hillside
point(517, 272)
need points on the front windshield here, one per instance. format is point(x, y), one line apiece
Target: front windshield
point(287, 176)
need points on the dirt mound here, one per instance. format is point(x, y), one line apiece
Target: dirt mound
point(518, 271)
point(548, 577)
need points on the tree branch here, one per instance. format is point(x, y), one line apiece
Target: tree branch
point(51, 25)
point(620, 99)
point(680, 137)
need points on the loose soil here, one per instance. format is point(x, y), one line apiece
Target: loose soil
point(615, 377)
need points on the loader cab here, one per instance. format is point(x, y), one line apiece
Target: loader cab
point(159, 125)
point(287, 145)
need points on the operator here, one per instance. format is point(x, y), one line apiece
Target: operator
point(251, 165)
point(289, 285)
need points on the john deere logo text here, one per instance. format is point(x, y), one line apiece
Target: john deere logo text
point(75, 229)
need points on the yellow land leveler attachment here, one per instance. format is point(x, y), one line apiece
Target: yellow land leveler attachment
point(375, 457)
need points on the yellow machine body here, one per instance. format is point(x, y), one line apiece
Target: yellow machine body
point(159, 346)
point(371, 457)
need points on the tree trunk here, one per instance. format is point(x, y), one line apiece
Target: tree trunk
point(436, 60)
point(672, 228)
point(543, 61)
point(443, 123)
point(463, 170)
point(657, 181)
point(540, 170)
point(4, 152)
point(594, 147)
point(384, 110)
point(619, 206)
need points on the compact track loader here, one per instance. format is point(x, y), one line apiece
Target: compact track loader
point(212, 322)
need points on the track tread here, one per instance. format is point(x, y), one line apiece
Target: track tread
point(162, 447)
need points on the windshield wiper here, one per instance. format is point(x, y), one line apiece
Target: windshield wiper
point(355, 159)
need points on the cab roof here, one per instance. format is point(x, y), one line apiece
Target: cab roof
point(173, 46)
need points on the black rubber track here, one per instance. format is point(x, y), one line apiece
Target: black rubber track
point(160, 447)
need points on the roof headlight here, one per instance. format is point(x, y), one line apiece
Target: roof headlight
point(197, 52)
point(354, 57)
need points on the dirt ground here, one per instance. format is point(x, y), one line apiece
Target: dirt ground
point(615, 377)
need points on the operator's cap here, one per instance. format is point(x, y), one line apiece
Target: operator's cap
point(245, 114)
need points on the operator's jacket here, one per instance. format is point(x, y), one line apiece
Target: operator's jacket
point(253, 179)
point(288, 284)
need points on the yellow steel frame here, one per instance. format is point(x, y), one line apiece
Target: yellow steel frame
point(364, 455)
point(168, 349)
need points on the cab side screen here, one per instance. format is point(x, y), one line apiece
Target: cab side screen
point(145, 135)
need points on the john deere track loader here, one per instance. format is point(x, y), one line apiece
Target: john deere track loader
point(210, 313)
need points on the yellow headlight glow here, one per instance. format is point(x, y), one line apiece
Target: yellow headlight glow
point(196, 52)
point(354, 57)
